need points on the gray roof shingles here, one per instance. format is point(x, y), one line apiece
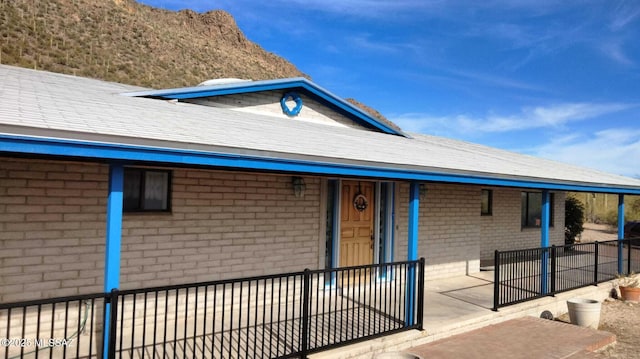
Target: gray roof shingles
point(55, 105)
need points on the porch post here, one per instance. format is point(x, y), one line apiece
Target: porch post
point(113, 240)
point(620, 232)
point(412, 249)
point(544, 241)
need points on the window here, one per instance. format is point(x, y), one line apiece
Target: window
point(146, 190)
point(486, 202)
point(532, 209)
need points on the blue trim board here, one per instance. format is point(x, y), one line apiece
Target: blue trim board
point(114, 228)
point(621, 216)
point(269, 85)
point(113, 241)
point(412, 249)
point(620, 232)
point(414, 215)
point(167, 156)
point(544, 240)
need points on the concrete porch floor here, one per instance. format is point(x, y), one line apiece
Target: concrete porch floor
point(459, 305)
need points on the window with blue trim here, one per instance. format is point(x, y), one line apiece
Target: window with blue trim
point(146, 190)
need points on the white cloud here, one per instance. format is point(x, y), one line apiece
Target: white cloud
point(528, 118)
point(614, 49)
point(613, 150)
point(624, 14)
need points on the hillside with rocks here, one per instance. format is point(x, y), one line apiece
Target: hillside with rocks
point(128, 42)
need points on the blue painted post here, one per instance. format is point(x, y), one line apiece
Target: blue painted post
point(544, 241)
point(620, 232)
point(113, 239)
point(412, 250)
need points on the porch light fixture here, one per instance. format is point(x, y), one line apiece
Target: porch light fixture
point(298, 186)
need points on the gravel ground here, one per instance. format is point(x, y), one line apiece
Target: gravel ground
point(622, 319)
point(617, 317)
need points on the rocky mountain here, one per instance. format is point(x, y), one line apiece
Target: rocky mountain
point(124, 41)
point(127, 42)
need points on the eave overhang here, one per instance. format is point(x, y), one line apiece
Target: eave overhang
point(270, 162)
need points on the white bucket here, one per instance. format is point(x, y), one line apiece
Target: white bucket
point(584, 312)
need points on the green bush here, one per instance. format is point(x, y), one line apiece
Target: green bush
point(573, 219)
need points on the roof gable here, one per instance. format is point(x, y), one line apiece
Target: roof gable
point(290, 85)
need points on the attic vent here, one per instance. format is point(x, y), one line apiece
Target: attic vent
point(225, 81)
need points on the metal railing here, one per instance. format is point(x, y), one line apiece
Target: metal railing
point(527, 274)
point(69, 327)
point(274, 316)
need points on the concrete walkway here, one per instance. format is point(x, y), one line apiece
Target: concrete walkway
point(526, 337)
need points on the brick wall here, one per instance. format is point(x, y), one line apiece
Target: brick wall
point(52, 228)
point(448, 229)
point(269, 102)
point(502, 230)
point(454, 237)
point(222, 225)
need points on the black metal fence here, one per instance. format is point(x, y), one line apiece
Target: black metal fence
point(67, 327)
point(275, 316)
point(526, 274)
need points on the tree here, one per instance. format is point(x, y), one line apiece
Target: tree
point(573, 219)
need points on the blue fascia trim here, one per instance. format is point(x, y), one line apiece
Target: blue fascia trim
point(270, 85)
point(120, 152)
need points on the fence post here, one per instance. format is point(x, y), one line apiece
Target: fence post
point(305, 314)
point(110, 322)
point(553, 270)
point(628, 242)
point(595, 264)
point(544, 271)
point(620, 233)
point(421, 294)
point(496, 280)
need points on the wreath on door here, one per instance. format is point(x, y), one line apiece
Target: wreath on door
point(360, 201)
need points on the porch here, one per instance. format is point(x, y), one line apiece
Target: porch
point(452, 306)
point(275, 316)
point(303, 313)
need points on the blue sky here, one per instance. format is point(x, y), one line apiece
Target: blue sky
point(554, 79)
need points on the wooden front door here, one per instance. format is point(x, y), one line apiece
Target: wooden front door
point(356, 225)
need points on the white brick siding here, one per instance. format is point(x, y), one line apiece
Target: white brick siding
point(453, 236)
point(52, 228)
point(222, 225)
point(448, 229)
point(502, 230)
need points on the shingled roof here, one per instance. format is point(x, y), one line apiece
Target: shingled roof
point(45, 113)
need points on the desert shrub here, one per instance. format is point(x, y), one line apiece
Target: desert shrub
point(573, 219)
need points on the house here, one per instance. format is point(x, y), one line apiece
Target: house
point(104, 186)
